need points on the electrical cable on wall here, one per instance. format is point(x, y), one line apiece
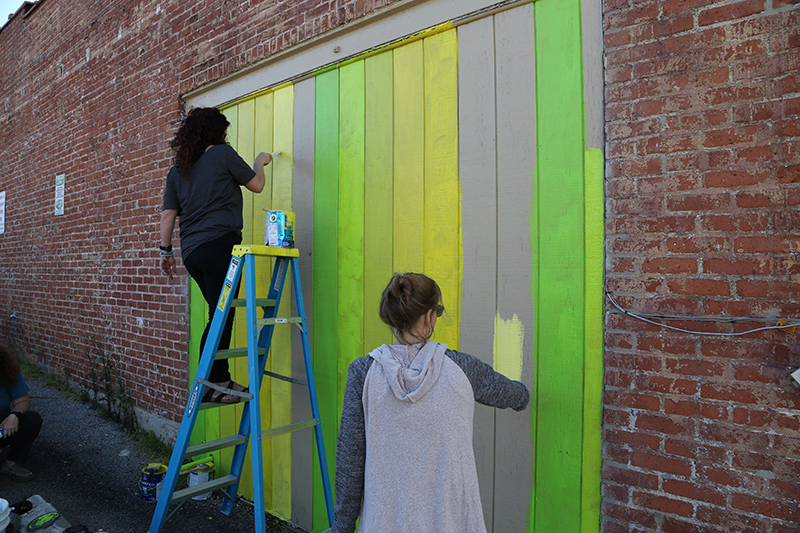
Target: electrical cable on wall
point(786, 325)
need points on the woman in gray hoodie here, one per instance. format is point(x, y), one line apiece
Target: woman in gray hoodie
point(404, 459)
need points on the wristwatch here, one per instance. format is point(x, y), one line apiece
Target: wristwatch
point(167, 248)
point(17, 414)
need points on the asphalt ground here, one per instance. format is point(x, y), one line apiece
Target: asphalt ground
point(89, 468)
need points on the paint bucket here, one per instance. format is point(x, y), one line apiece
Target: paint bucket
point(279, 229)
point(152, 479)
point(4, 512)
point(201, 474)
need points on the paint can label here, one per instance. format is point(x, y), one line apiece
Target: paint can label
point(151, 482)
point(202, 474)
point(279, 230)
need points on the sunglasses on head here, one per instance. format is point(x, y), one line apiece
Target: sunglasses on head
point(439, 309)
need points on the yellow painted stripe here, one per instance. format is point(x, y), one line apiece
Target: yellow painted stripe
point(280, 359)
point(409, 169)
point(441, 223)
point(509, 336)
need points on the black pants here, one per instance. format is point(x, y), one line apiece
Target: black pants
point(208, 266)
point(30, 424)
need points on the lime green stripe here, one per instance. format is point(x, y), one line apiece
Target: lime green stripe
point(559, 300)
point(324, 279)
point(351, 218)
point(593, 375)
point(378, 194)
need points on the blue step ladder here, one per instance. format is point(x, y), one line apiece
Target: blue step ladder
point(258, 344)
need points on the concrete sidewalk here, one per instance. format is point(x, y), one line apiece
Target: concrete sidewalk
point(89, 470)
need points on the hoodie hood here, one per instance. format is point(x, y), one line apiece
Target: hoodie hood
point(411, 370)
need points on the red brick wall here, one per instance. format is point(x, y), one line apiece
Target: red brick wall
point(703, 192)
point(94, 93)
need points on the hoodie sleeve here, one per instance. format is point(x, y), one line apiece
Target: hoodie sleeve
point(491, 388)
point(351, 450)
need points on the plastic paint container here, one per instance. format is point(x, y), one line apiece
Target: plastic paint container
point(201, 474)
point(279, 229)
point(4, 511)
point(152, 479)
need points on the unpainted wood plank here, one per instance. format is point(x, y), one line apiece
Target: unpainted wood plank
point(478, 177)
point(516, 148)
point(303, 202)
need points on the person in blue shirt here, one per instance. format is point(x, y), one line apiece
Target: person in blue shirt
point(20, 426)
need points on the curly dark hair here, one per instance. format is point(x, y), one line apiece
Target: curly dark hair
point(203, 126)
point(9, 368)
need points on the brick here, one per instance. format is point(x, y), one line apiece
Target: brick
point(670, 265)
point(738, 267)
point(733, 11)
point(667, 465)
point(696, 408)
point(626, 476)
point(663, 504)
point(700, 287)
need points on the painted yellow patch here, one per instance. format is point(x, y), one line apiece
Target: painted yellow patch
point(508, 337)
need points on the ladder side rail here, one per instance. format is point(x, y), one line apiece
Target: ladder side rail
point(195, 397)
point(256, 364)
point(312, 388)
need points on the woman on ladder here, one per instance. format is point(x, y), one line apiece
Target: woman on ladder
point(203, 189)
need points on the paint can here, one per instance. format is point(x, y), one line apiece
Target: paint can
point(152, 479)
point(201, 474)
point(4, 514)
point(279, 230)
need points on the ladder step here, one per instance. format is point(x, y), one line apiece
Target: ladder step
point(260, 302)
point(214, 445)
point(282, 430)
point(279, 320)
point(286, 378)
point(234, 352)
point(202, 488)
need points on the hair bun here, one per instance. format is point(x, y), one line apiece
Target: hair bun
point(402, 287)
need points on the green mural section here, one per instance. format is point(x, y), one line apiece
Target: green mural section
point(567, 288)
point(386, 198)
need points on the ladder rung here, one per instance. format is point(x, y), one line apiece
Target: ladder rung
point(214, 445)
point(282, 430)
point(260, 302)
point(202, 488)
point(234, 352)
point(279, 320)
point(285, 378)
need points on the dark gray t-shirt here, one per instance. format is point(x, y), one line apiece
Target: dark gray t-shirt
point(209, 203)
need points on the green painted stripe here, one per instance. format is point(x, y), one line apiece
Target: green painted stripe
point(324, 279)
point(378, 194)
point(559, 300)
point(593, 373)
point(351, 218)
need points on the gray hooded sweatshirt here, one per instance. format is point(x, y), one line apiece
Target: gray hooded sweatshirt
point(405, 440)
